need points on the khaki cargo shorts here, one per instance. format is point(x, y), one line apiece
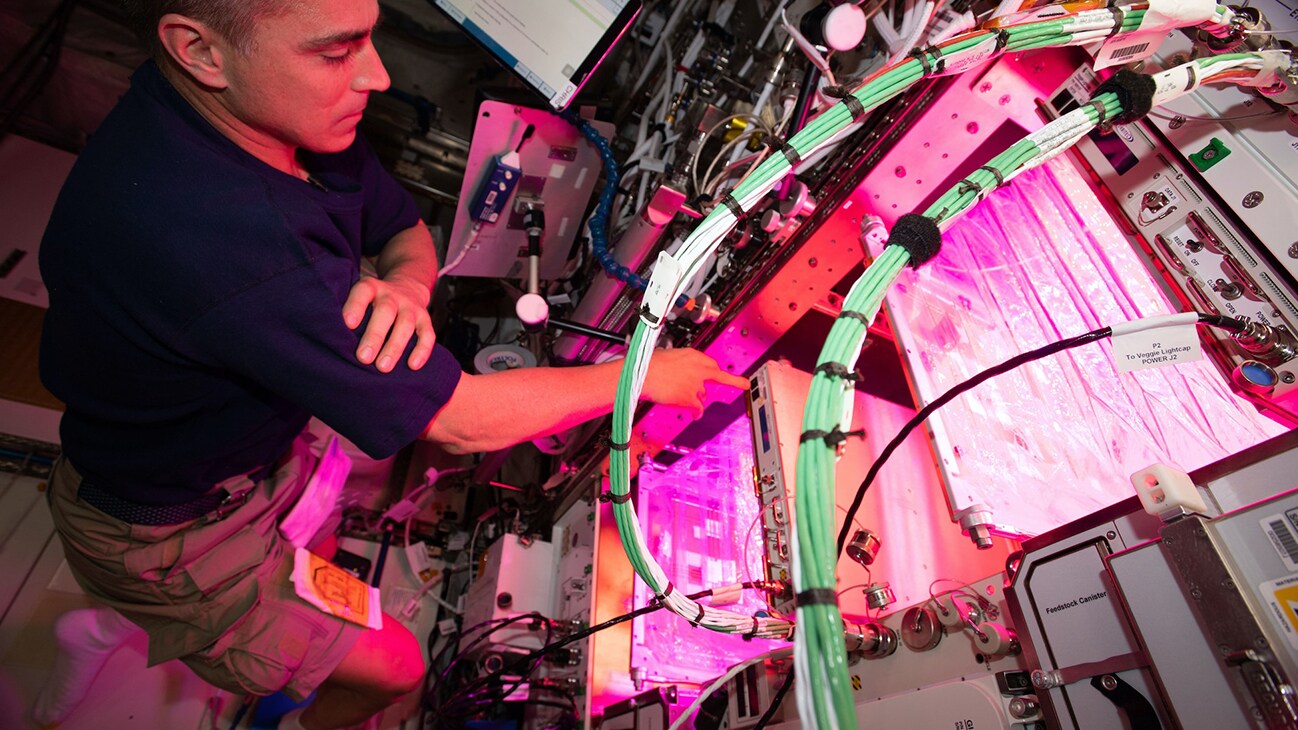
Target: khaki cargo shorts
point(216, 594)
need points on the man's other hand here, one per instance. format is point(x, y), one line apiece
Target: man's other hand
point(680, 377)
point(400, 311)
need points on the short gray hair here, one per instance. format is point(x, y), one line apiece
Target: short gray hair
point(233, 19)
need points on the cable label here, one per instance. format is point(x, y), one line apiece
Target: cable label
point(1174, 82)
point(1128, 47)
point(958, 63)
point(1152, 348)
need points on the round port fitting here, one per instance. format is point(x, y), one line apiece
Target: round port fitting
point(879, 595)
point(1021, 708)
point(864, 547)
point(1255, 377)
point(920, 629)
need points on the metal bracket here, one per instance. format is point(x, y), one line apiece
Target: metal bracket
point(1232, 625)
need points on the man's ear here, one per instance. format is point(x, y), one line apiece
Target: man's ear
point(196, 48)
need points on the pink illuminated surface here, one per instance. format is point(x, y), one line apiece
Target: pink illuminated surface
point(695, 515)
point(1036, 262)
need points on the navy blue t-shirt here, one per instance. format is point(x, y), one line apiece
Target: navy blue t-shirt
point(196, 297)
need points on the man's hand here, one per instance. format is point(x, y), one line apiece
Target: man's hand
point(400, 310)
point(679, 378)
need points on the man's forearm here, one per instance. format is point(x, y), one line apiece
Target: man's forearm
point(409, 255)
point(491, 412)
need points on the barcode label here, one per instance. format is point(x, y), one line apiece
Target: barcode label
point(1127, 47)
point(1127, 51)
point(1281, 534)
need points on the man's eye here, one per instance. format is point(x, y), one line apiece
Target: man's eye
point(337, 58)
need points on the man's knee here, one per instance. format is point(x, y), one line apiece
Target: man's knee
point(407, 668)
point(387, 663)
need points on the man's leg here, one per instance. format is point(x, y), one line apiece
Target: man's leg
point(382, 666)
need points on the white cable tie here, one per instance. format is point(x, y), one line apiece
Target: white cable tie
point(1149, 323)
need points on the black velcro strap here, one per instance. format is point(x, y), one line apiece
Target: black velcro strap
point(854, 106)
point(1000, 178)
point(1100, 111)
point(615, 498)
point(1135, 92)
point(969, 186)
point(837, 370)
point(850, 314)
point(918, 235)
point(1002, 39)
point(733, 205)
point(817, 597)
point(752, 633)
point(662, 597)
point(1118, 17)
point(785, 149)
point(923, 61)
point(644, 312)
point(939, 63)
point(609, 442)
point(833, 437)
point(699, 618)
point(812, 435)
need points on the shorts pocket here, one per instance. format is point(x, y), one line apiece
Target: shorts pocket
point(217, 568)
point(266, 648)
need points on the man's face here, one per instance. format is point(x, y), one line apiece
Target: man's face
point(308, 74)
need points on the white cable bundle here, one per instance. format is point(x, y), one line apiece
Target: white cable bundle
point(663, 289)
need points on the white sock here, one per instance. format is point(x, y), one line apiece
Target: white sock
point(85, 638)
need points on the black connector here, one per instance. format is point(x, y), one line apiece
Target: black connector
point(534, 220)
point(534, 226)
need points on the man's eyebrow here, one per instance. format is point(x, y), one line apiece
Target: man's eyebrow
point(340, 38)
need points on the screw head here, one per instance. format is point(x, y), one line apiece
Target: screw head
point(1253, 199)
point(1109, 682)
point(1287, 378)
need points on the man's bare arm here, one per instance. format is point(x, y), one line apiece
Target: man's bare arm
point(490, 412)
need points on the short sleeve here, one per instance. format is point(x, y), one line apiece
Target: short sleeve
point(286, 335)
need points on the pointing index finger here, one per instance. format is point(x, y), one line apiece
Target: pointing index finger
point(734, 381)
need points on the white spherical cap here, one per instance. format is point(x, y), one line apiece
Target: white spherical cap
point(532, 310)
point(844, 27)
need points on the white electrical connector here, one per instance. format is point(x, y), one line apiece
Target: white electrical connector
point(996, 640)
point(660, 294)
point(1167, 492)
point(401, 511)
point(952, 614)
